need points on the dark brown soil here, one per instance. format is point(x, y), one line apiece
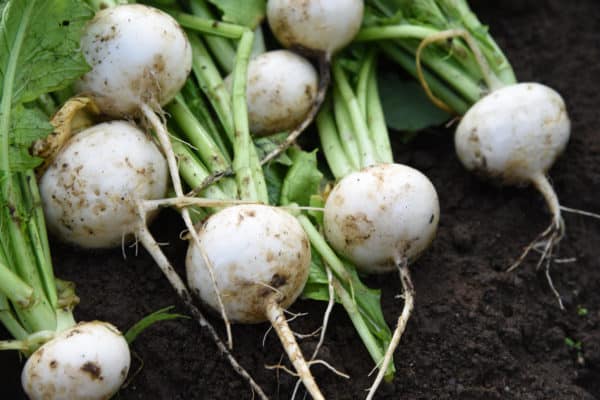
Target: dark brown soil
point(477, 332)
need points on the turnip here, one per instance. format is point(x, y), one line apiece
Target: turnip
point(380, 216)
point(281, 89)
point(90, 190)
point(514, 135)
point(260, 272)
point(88, 361)
point(317, 28)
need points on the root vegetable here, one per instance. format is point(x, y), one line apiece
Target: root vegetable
point(514, 135)
point(138, 55)
point(90, 190)
point(381, 215)
point(88, 361)
point(281, 89)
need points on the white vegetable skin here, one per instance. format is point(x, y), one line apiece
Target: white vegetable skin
point(282, 87)
point(382, 215)
point(138, 55)
point(317, 25)
point(89, 190)
point(88, 361)
point(514, 134)
point(256, 252)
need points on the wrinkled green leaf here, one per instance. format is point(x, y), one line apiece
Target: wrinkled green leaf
point(39, 53)
point(249, 13)
point(405, 105)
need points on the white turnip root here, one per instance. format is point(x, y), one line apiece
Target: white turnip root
point(381, 215)
point(282, 87)
point(88, 361)
point(315, 25)
point(138, 54)
point(514, 135)
point(89, 192)
point(261, 258)
point(316, 28)
point(382, 218)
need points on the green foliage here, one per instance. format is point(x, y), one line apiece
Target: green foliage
point(405, 105)
point(163, 314)
point(40, 53)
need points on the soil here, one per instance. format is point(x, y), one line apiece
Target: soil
point(477, 331)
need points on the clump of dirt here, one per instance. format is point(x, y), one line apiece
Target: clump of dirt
point(477, 332)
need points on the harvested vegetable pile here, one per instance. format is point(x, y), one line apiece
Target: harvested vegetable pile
point(476, 331)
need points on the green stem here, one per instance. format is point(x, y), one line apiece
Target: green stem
point(212, 85)
point(361, 131)
point(46, 103)
point(376, 120)
point(221, 48)
point(195, 102)
point(363, 79)
point(361, 327)
point(38, 235)
point(326, 252)
point(209, 26)
point(13, 287)
point(205, 146)
point(194, 172)
point(9, 321)
point(330, 143)
point(394, 32)
point(248, 173)
point(345, 130)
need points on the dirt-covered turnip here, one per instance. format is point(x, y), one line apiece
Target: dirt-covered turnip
point(89, 192)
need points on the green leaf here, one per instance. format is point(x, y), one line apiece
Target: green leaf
point(161, 315)
point(317, 285)
point(39, 53)
point(405, 105)
point(249, 13)
point(302, 180)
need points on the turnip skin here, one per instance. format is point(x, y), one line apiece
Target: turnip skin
point(282, 87)
point(89, 361)
point(138, 55)
point(268, 251)
point(89, 190)
point(382, 215)
point(514, 134)
point(317, 25)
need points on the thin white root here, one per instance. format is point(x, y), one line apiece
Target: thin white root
point(550, 237)
point(277, 318)
point(580, 212)
point(329, 367)
point(330, 304)
point(409, 302)
point(147, 240)
point(186, 201)
point(548, 240)
point(165, 143)
point(324, 80)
